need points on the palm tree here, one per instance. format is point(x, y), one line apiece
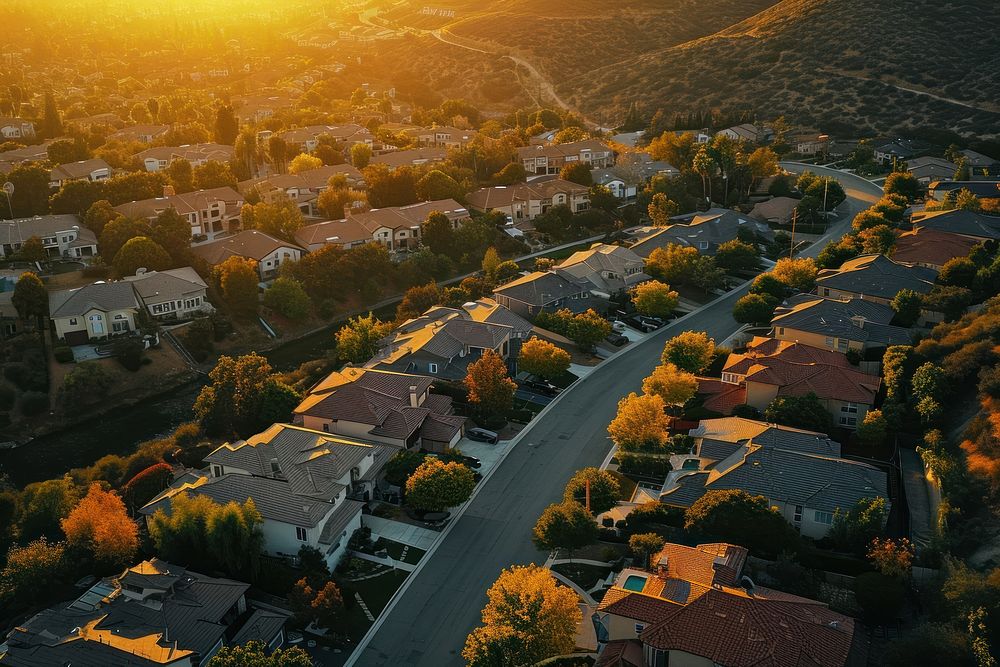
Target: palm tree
point(703, 164)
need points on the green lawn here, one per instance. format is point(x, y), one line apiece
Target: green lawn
point(626, 484)
point(395, 550)
point(376, 593)
point(583, 575)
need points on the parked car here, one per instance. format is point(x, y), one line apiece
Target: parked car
point(482, 435)
point(618, 325)
point(653, 321)
point(471, 461)
point(616, 339)
point(542, 387)
point(636, 322)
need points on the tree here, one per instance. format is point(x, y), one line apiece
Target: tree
point(867, 219)
point(436, 184)
point(902, 183)
point(769, 285)
point(958, 272)
point(99, 214)
point(357, 340)
point(100, 525)
point(930, 645)
point(237, 278)
point(893, 558)
point(877, 240)
point(140, 252)
point(214, 174)
point(277, 152)
point(30, 298)
point(119, 231)
point(510, 174)
point(180, 173)
point(52, 126)
point(236, 400)
point(906, 305)
point(879, 596)
point(736, 516)
point(929, 381)
point(286, 296)
point(577, 172)
point(31, 191)
point(837, 252)
point(604, 489)
point(644, 545)
point(227, 127)
point(735, 256)
point(255, 654)
point(361, 155)
point(403, 464)
point(86, 384)
point(674, 264)
point(566, 525)
point(855, 528)
point(75, 197)
point(678, 150)
point(691, 351)
point(32, 571)
point(68, 150)
point(661, 209)
point(675, 386)
point(417, 300)
point(805, 412)
point(304, 162)
point(146, 483)
point(527, 618)
point(32, 250)
point(797, 273)
point(491, 261)
point(491, 391)
point(950, 300)
point(435, 485)
point(654, 298)
point(641, 423)
point(43, 506)
point(704, 165)
point(762, 163)
point(588, 328)
point(754, 308)
point(246, 154)
point(873, 429)
point(542, 358)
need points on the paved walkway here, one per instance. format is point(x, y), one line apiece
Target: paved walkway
point(415, 536)
point(918, 498)
point(388, 560)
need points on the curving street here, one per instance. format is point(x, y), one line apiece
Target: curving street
point(440, 603)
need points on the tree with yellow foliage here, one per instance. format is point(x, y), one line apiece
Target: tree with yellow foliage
point(641, 423)
point(101, 526)
point(672, 384)
point(798, 272)
point(304, 162)
point(542, 358)
point(527, 618)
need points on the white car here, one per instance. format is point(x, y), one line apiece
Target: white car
point(618, 326)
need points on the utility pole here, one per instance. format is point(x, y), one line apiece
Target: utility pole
point(586, 487)
point(826, 186)
point(8, 189)
point(791, 245)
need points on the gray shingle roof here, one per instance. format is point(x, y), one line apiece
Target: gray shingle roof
point(542, 287)
point(877, 275)
point(832, 317)
point(960, 221)
point(712, 227)
point(97, 296)
point(156, 286)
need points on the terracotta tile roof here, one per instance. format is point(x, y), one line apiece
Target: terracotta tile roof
point(931, 246)
point(249, 243)
point(731, 628)
point(643, 608)
point(721, 396)
point(621, 653)
point(707, 564)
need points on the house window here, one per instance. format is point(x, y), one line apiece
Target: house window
point(301, 534)
point(326, 428)
point(119, 316)
point(97, 324)
point(781, 331)
point(797, 517)
point(842, 344)
point(72, 321)
point(432, 368)
point(703, 245)
point(829, 343)
point(216, 471)
point(639, 627)
point(119, 327)
point(823, 517)
point(826, 291)
point(851, 408)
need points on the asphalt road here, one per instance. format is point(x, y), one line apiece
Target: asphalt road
point(441, 604)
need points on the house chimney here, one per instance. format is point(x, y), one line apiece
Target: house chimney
point(413, 397)
point(168, 191)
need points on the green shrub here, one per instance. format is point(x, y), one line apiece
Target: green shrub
point(650, 466)
point(187, 434)
point(63, 354)
point(34, 403)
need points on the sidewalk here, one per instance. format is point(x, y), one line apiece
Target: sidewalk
point(415, 536)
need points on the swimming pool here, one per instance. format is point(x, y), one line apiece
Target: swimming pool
point(6, 284)
point(635, 583)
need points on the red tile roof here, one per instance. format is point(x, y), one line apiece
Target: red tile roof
point(721, 396)
point(931, 247)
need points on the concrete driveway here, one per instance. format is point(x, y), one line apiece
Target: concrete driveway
point(440, 602)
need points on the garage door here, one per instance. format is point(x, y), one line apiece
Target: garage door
point(77, 338)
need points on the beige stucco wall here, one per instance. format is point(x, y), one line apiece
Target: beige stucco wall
point(682, 659)
point(811, 339)
point(760, 395)
point(84, 323)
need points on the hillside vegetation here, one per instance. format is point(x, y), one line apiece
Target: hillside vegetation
point(838, 64)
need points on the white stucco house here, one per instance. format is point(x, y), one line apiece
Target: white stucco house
point(94, 312)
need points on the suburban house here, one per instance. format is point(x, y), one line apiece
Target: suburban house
point(442, 343)
point(696, 607)
point(85, 170)
point(269, 253)
point(33, 153)
point(810, 143)
point(154, 613)
point(526, 201)
point(986, 189)
point(770, 368)
point(145, 134)
point(489, 311)
point(609, 269)
point(981, 164)
point(210, 212)
point(306, 139)
point(440, 136)
point(545, 291)
point(171, 294)
point(10, 320)
point(411, 157)
point(960, 222)
point(302, 188)
point(747, 132)
point(776, 210)
point(705, 231)
point(801, 473)
point(308, 486)
point(887, 151)
point(93, 312)
point(61, 235)
point(391, 408)
point(395, 227)
point(160, 157)
point(928, 169)
point(16, 128)
point(837, 324)
point(931, 248)
point(551, 158)
point(873, 278)
point(631, 170)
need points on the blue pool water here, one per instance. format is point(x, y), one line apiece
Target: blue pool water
point(6, 285)
point(634, 582)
